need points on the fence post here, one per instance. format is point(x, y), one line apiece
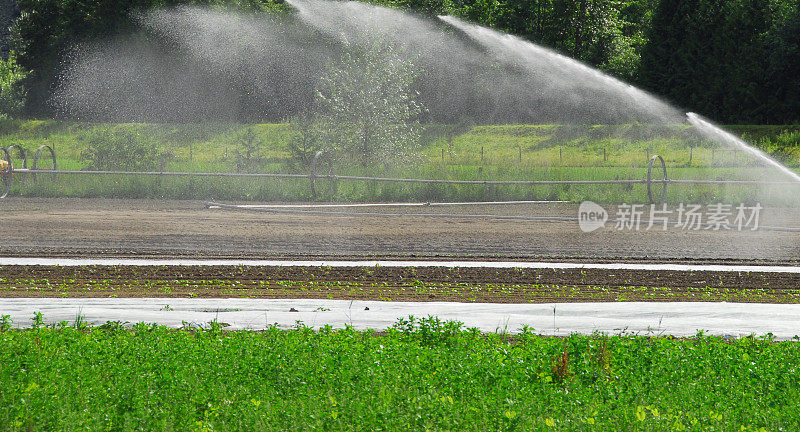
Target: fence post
point(691, 150)
point(520, 153)
point(481, 155)
point(604, 155)
point(313, 173)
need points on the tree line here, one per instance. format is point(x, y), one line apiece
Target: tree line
point(737, 61)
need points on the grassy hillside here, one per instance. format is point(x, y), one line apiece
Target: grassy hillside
point(497, 152)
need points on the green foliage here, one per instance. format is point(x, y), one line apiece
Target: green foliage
point(365, 107)
point(785, 147)
point(37, 320)
point(602, 33)
point(5, 323)
point(781, 101)
point(12, 93)
point(625, 49)
point(248, 152)
point(305, 141)
point(120, 149)
point(430, 375)
point(735, 61)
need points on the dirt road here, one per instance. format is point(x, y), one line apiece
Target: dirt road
point(110, 227)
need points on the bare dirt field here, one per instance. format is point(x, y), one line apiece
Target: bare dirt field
point(112, 227)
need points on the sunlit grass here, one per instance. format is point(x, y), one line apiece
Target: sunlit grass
point(480, 153)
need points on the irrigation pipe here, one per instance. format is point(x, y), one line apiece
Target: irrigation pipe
point(483, 182)
point(215, 205)
point(403, 180)
point(264, 209)
point(320, 156)
point(161, 173)
point(425, 204)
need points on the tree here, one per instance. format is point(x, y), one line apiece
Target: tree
point(782, 96)
point(47, 29)
point(305, 140)
point(728, 59)
point(594, 31)
point(12, 93)
point(625, 51)
point(365, 109)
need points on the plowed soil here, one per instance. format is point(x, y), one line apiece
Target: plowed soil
point(151, 228)
point(113, 227)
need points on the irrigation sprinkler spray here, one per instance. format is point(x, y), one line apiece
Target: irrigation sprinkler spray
point(650, 179)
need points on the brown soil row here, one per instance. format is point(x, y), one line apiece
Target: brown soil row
point(411, 283)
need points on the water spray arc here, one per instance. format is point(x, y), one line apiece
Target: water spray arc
point(715, 133)
point(465, 65)
point(510, 48)
point(579, 83)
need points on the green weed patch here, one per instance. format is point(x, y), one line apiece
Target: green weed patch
point(419, 375)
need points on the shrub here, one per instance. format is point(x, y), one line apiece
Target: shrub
point(120, 149)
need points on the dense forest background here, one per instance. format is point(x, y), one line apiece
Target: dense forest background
point(736, 61)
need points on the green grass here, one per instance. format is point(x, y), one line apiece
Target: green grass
point(501, 152)
point(420, 375)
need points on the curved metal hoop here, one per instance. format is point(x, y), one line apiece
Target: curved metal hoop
point(650, 179)
point(314, 164)
point(36, 159)
point(23, 155)
point(6, 174)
